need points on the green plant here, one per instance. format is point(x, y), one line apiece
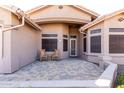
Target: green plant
point(120, 86)
point(121, 79)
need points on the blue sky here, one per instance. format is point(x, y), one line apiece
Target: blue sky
point(100, 6)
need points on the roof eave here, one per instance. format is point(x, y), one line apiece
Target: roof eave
point(21, 14)
point(33, 24)
point(76, 6)
point(87, 10)
point(102, 18)
point(91, 24)
point(36, 8)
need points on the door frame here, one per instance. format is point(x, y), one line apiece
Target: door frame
point(75, 47)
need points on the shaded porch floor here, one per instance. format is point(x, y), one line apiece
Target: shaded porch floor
point(67, 69)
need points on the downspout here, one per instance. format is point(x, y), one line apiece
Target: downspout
point(22, 24)
point(81, 31)
point(5, 30)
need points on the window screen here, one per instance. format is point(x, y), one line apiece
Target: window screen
point(84, 44)
point(116, 43)
point(95, 44)
point(49, 35)
point(116, 29)
point(65, 45)
point(49, 44)
point(95, 31)
point(65, 36)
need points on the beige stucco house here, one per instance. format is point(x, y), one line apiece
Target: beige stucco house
point(72, 29)
point(60, 27)
point(60, 30)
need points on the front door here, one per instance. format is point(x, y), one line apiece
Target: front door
point(73, 47)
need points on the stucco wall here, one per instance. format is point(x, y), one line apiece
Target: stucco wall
point(109, 23)
point(5, 60)
point(62, 29)
point(55, 29)
point(5, 16)
point(25, 44)
point(94, 57)
point(114, 23)
point(66, 32)
point(54, 11)
point(5, 65)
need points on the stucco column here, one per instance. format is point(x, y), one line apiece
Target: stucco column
point(105, 39)
point(104, 57)
point(60, 43)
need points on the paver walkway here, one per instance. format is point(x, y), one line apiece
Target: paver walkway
point(68, 69)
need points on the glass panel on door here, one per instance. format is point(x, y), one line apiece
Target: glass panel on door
point(73, 47)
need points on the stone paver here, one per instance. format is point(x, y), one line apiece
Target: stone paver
point(68, 69)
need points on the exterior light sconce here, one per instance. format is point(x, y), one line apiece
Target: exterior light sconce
point(60, 6)
point(121, 19)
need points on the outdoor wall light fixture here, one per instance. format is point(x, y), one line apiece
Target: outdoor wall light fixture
point(121, 19)
point(60, 7)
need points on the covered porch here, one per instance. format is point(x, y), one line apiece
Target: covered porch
point(65, 37)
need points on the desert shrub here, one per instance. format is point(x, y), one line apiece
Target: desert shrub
point(121, 79)
point(120, 86)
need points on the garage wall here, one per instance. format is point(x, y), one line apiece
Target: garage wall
point(25, 45)
point(5, 60)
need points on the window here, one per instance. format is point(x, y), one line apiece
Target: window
point(65, 45)
point(116, 29)
point(95, 41)
point(49, 35)
point(73, 36)
point(95, 44)
point(95, 31)
point(49, 44)
point(116, 43)
point(65, 42)
point(85, 44)
point(65, 36)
